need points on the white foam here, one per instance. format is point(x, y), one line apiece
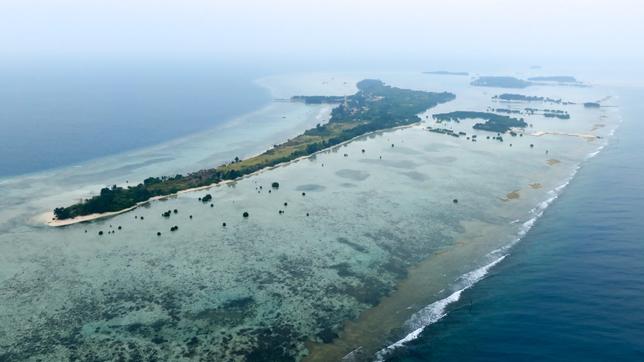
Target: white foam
point(437, 310)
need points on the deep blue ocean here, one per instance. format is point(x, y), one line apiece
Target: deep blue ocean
point(573, 288)
point(63, 114)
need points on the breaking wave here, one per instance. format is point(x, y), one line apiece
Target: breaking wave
point(438, 310)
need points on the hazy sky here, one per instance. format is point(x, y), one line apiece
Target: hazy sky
point(331, 29)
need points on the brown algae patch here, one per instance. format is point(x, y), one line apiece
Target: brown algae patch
point(553, 161)
point(511, 195)
point(536, 186)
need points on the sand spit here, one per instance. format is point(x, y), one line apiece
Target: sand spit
point(587, 136)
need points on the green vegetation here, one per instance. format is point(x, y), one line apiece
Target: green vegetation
point(493, 122)
point(446, 131)
point(501, 82)
point(549, 113)
point(510, 97)
point(506, 110)
point(559, 115)
point(374, 107)
point(556, 78)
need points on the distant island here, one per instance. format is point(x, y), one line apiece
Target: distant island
point(592, 105)
point(548, 113)
point(493, 122)
point(374, 107)
point(501, 82)
point(446, 72)
point(556, 78)
point(512, 97)
point(512, 82)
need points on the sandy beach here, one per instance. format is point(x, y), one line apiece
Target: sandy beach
point(49, 219)
point(586, 136)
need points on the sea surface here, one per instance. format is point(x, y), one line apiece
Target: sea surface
point(573, 288)
point(368, 241)
point(64, 114)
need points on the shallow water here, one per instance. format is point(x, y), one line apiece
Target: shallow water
point(63, 114)
point(572, 289)
point(266, 284)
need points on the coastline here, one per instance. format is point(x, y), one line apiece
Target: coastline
point(360, 114)
point(416, 157)
point(598, 217)
point(363, 338)
point(46, 217)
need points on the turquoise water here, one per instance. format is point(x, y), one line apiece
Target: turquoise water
point(376, 211)
point(58, 115)
point(573, 288)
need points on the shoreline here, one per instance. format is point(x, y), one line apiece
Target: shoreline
point(359, 114)
point(225, 122)
point(368, 337)
point(46, 217)
point(451, 255)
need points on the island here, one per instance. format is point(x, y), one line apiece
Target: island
point(446, 72)
point(549, 113)
point(506, 110)
point(501, 82)
point(592, 105)
point(493, 122)
point(556, 78)
point(375, 106)
point(513, 97)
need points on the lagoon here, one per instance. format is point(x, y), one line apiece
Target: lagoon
point(382, 239)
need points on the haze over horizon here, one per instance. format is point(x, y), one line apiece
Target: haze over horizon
point(322, 32)
point(313, 181)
